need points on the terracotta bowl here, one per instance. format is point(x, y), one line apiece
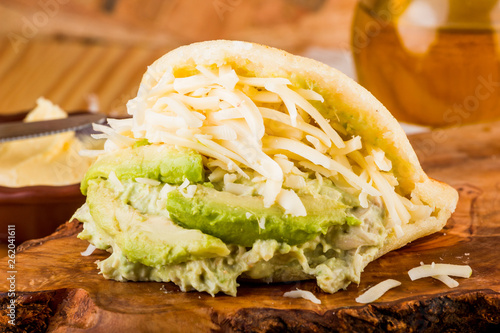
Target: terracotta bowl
point(36, 211)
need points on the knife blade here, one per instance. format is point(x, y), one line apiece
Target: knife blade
point(22, 130)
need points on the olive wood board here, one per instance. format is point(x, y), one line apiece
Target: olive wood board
point(58, 290)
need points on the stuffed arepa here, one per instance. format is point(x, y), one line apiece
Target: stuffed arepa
point(241, 161)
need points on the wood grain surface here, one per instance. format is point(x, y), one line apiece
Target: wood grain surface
point(59, 290)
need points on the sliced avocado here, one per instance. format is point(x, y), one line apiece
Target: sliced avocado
point(147, 239)
point(141, 142)
point(235, 219)
point(166, 164)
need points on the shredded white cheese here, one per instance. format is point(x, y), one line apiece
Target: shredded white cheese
point(284, 163)
point(291, 202)
point(451, 283)
point(377, 291)
point(165, 190)
point(288, 94)
point(267, 125)
point(285, 119)
point(191, 83)
point(298, 293)
point(189, 191)
point(464, 271)
point(270, 192)
point(389, 197)
point(383, 163)
point(295, 182)
point(90, 249)
point(262, 222)
point(310, 95)
point(238, 189)
point(119, 140)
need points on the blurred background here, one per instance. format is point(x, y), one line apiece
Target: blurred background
point(68, 50)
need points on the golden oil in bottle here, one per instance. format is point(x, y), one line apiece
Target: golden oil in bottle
point(431, 62)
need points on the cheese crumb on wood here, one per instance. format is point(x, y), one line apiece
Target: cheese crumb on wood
point(377, 291)
point(464, 271)
point(90, 249)
point(298, 293)
point(451, 283)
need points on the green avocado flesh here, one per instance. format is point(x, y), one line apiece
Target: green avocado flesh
point(150, 240)
point(202, 238)
point(235, 219)
point(168, 165)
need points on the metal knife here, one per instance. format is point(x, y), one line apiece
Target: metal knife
point(21, 130)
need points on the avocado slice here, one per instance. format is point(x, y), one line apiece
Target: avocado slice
point(148, 239)
point(166, 164)
point(235, 219)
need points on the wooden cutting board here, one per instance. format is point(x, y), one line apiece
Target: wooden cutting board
point(60, 290)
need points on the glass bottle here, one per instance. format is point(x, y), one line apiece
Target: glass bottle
point(431, 62)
